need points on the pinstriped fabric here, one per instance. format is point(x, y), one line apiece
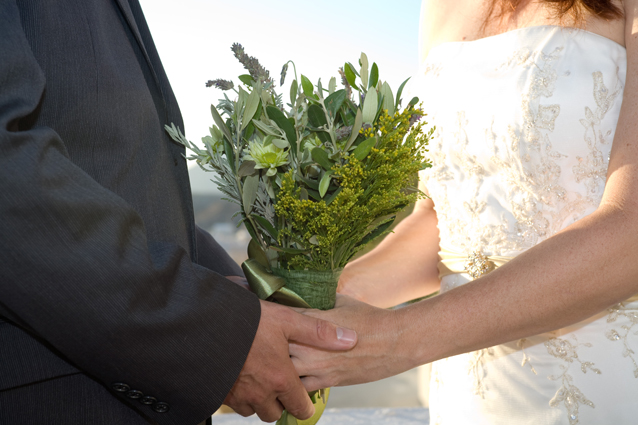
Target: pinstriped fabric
point(98, 243)
point(68, 400)
point(26, 360)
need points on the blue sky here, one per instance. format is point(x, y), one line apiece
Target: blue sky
point(194, 42)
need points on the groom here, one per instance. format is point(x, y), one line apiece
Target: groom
point(114, 308)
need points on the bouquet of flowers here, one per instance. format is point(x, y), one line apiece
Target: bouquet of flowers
point(315, 180)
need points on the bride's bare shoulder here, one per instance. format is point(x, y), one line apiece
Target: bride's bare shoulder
point(449, 20)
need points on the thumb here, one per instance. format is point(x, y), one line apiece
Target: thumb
point(320, 333)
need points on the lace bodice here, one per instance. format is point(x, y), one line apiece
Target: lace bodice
point(525, 122)
point(524, 126)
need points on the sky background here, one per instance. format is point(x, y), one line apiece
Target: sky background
point(193, 38)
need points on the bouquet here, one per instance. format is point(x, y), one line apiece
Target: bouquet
point(316, 179)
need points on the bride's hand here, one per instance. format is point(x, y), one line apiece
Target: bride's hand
point(377, 354)
point(356, 284)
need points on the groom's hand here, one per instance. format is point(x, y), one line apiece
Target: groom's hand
point(268, 382)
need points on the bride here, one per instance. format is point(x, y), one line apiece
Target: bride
point(532, 227)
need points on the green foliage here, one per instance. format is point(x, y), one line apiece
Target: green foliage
point(318, 181)
point(371, 191)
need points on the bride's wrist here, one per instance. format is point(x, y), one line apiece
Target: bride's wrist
point(416, 343)
point(402, 342)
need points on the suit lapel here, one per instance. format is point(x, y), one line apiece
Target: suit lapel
point(130, 19)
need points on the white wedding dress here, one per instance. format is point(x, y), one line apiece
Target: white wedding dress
point(524, 126)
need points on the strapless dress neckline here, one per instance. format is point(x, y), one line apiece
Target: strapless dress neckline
point(526, 32)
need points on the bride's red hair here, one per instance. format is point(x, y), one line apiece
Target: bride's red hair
point(605, 9)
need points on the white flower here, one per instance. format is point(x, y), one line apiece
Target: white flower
point(266, 157)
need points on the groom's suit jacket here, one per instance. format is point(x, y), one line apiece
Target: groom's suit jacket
point(113, 305)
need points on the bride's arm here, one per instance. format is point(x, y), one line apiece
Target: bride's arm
point(402, 267)
point(586, 268)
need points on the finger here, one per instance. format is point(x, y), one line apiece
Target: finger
point(297, 402)
point(301, 310)
point(301, 366)
point(343, 300)
point(296, 350)
point(269, 412)
point(320, 334)
point(313, 383)
point(243, 409)
point(304, 358)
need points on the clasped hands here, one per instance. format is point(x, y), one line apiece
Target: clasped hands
point(293, 343)
point(268, 382)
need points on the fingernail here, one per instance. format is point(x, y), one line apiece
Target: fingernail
point(346, 335)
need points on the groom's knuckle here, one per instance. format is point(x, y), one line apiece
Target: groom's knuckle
point(245, 411)
point(256, 398)
point(251, 399)
point(280, 383)
point(288, 315)
point(299, 411)
point(271, 415)
point(324, 330)
point(242, 409)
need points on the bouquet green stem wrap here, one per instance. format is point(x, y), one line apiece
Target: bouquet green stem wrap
point(317, 288)
point(294, 288)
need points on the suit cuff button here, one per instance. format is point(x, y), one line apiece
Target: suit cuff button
point(161, 407)
point(134, 394)
point(120, 387)
point(148, 400)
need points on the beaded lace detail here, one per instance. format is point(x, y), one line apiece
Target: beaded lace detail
point(624, 332)
point(520, 152)
point(524, 161)
point(477, 370)
point(569, 395)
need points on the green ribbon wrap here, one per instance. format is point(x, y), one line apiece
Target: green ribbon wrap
point(317, 288)
point(294, 288)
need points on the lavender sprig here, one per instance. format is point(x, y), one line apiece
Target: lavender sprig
point(345, 83)
point(258, 72)
point(284, 69)
point(221, 84)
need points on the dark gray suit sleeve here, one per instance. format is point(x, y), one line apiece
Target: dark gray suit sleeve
point(78, 271)
point(212, 256)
